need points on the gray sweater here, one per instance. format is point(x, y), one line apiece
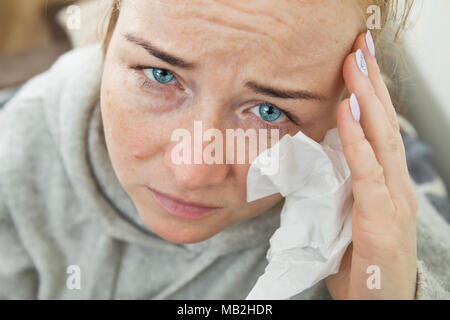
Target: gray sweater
point(61, 205)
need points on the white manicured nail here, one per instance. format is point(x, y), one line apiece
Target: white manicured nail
point(369, 42)
point(361, 62)
point(354, 107)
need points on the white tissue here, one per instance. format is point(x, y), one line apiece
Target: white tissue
point(316, 225)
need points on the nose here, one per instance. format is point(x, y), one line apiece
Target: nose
point(194, 174)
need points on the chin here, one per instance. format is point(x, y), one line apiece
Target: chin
point(184, 232)
point(185, 236)
point(186, 239)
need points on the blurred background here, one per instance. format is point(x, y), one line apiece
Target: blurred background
point(33, 33)
point(428, 85)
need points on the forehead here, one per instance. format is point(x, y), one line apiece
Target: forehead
point(290, 35)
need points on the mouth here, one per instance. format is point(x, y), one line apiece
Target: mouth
point(180, 208)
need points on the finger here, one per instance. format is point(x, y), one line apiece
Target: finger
point(372, 198)
point(363, 42)
point(386, 141)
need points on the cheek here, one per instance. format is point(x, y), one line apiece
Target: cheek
point(240, 172)
point(129, 134)
point(132, 119)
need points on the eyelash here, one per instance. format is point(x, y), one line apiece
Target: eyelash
point(145, 81)
point(148, 83)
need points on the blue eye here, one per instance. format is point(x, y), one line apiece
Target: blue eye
point(160, 75)
point(269, 113)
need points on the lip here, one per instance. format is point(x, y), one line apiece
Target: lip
point(180, 208)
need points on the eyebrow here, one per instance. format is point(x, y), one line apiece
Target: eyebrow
point(284, 94)
point(154, 51)
point(255, 87)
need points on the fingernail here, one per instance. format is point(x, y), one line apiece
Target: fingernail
point(354, 107)
point(361, 62)
point(369, 42)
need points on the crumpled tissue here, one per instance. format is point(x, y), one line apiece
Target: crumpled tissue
point(315, 222)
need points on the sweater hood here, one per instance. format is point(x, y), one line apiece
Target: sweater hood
point(72, 110)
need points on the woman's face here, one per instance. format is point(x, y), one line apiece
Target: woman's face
point(284, 45)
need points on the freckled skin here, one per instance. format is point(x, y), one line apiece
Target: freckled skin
point(281, 43)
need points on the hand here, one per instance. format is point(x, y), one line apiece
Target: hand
point(385, 204)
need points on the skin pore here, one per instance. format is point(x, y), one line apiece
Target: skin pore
point(289, 45)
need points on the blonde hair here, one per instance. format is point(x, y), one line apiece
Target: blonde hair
point(395, 17)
